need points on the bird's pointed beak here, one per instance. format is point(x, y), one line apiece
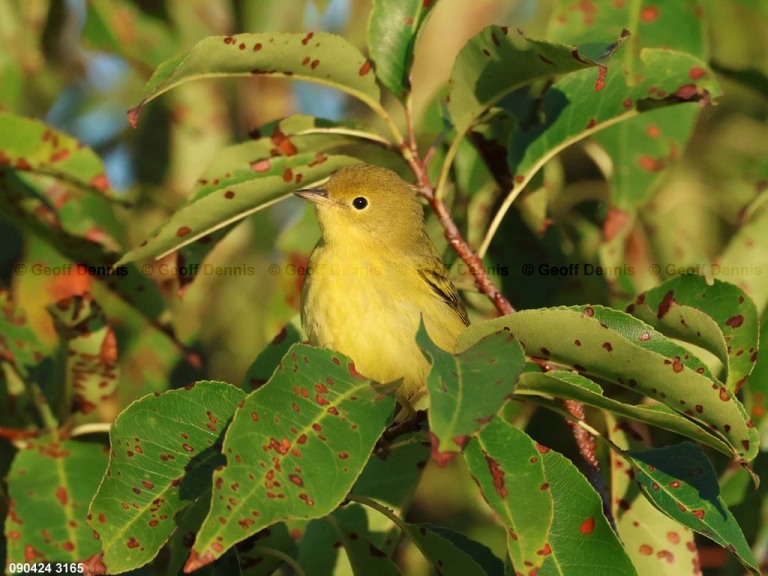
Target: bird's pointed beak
point(314, 195)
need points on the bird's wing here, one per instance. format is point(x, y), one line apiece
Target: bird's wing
point(436, 276)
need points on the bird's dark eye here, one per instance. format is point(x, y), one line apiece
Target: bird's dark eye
point(359, 202)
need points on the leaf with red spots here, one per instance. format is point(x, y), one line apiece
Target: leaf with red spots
point(745, 258)
point(91, 368)
point(681, 482)
point(339, 63)
point(163, 450)
point(466, 390)
point(570, 111)
point(498, 60)
point(247, 161)
point(30, 146)
point(19, 346)
point(393, 31)
point(640, 359)
point(452, 553)
point(254, 555)
point(294, 449)
point(49, 487)
point(255, 188)
point(553, 517)
point(655, 543)
point(570, 386)
point(505, 463)
point(719, 317)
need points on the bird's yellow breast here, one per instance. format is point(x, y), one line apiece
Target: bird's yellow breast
point(367, 304)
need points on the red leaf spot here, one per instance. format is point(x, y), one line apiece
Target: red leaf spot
point(229, 194)
point(60, 155)
point(315, 64)
point(353, 371)
point(724, 396)
point(100, 182)
point(519, 179)
point(602, 72)
point(544, 486)
point(649, 13)
point(183, 231)
point(229, 40)
point(287, 175)
point(587, 526)
point(254, 416)
point(673, 537)
point(257, 47)
point(242, 46)
point(735, 321)
point(365, 68)
point(675, 484)
point(148, 485)
point(650, 163)
point(653, 131)
point(677, 366)
point(699, 408)
point(261, 165)
point(698, 513)
point(592, 123)
point(187, 447)
point(546, 551)
point(62, 496)
point(607, 346)
point(666, 303)
point(343, 455)
point(132, 542)
point(102, 518)
point(296, 479)
point(627, 102)
point(645, 550)
point(695, 72)
point(542, 449)
point(333, 411)
point(307, 38)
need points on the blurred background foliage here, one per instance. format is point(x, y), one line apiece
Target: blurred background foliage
point(79, 65)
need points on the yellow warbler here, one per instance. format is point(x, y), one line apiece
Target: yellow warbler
point(373, 274)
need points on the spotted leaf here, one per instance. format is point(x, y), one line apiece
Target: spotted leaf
point(91, 351)
point(681, 482)
point(269, 358)
point(605, 344)
point(559, 527)
point(393, 30)
point(506, 463)
point(655, 542)
point(315, 56)
point(467, 389)
point(49, 487)
point(294, 449)
point(248, 190)
point(19, 345)
point(297, 134)
point(163, 450)
point(568, 385)
point(498, 60)
point(720, 318)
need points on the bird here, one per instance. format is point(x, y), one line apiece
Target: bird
point(373, 276)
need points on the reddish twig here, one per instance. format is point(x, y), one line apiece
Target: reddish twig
point(453, 235)
point(588, 450)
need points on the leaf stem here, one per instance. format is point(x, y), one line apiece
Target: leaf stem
point(394, 518)
point(281, 556)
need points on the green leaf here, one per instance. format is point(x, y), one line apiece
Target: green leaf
point(164, 449)
point(49, 487)
point(553, 516)
point(453, 554)
point(364, 557)
point(297, 134)
point(745, 258)
point(571, 386)
point(91, 351)
point(316, 56)
point(655, 542)
point(495, 62)
point(467, 389)
point(607, 344)
point(570, 110)
point(31, 146)
point(393, 30)
point(294, 448)
point(681, 482)
point(19, 345)
point(719, 317)
point(506, 463)
point(218, 204)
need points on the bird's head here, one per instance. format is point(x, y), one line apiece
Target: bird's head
point(367, 203)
